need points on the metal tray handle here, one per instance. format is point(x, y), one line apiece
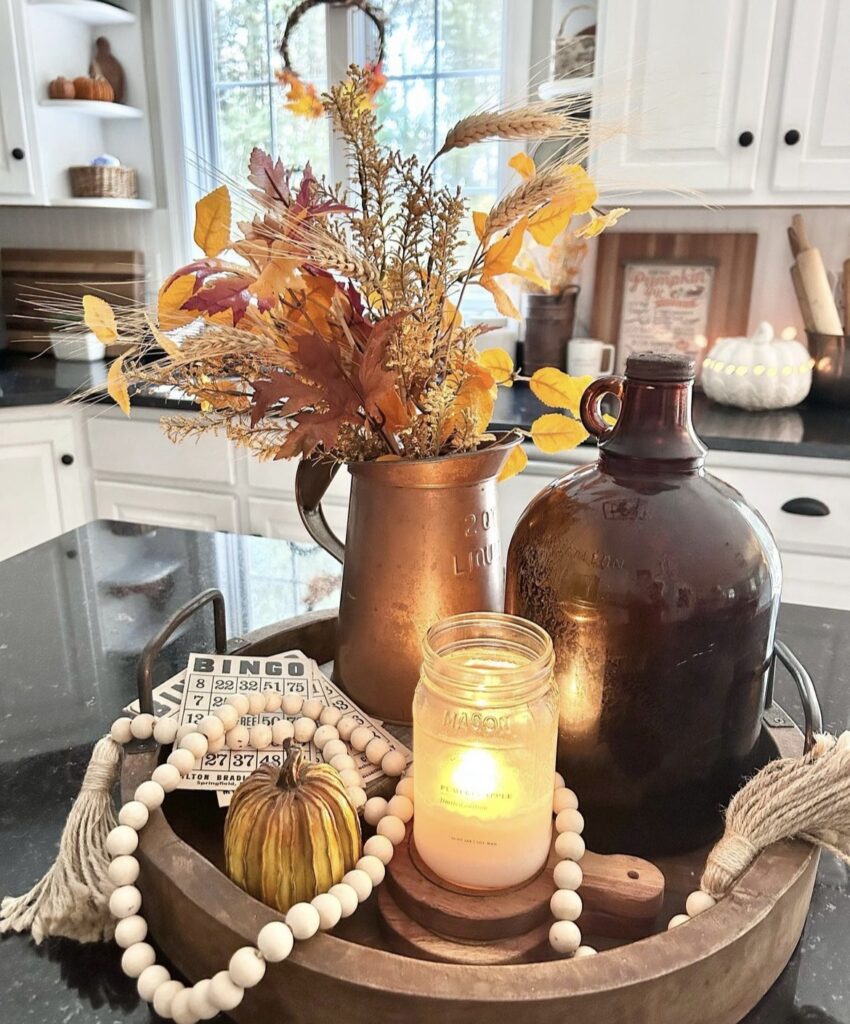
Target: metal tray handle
point(806, 690)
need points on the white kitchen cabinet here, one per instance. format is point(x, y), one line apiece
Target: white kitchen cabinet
point(42, 489)
point(165, 506)
point(17, 178)
point(280, 519)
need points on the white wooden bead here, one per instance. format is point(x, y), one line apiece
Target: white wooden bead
point(274, 700)
point(351, 777)
point(150, 793)
point(240, 702)
point(329, 908)
point(183, 730)
point(360, 882)
point(340, 761)
point(130, 930)
point(168, 776)
point(195, 743)
point(376, 750)
point(564, 937)
point(346, 726)
point(842, 744)
point(558, 781)
point(292, 704)
point(182, 761)
point(380, 847)
point(324, 735)
point(698, 902)
point(142, 726)
point(125, 901)
point(408, 771)
point(181, 1012)
point(246, 967)
point(361, 737)
point(136, 958)
point(584, 951)
point(213, 746)
point(227, 715)
point(565, 905)
point(401, 807)
point(282, 730)
point(347, 898)
point(165, 730)
point(405, 788)
point(391, 827)
point(260, 736)
point(164, 997)
point(567, 875)
point(304, 729)
point(120, 730)
point(313, 708)
point(569, 846)
point(677, 920)
point(237, 737)
point(569, 820)
point(330, 716)
point(393, 764)
point(564, 799)
point(135, 814)
point(373, 866)
point(335, 748)
point(275, 941)
point(150, 979)
point(211, 727)
point(303, 920)
point(357, 795)
point(199, 1000)
point(123, 870)
point(223, 993)
point(256, 703)
point(374, 809)
point(121, 840)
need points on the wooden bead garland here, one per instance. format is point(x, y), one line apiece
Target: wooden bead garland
point(225, 990)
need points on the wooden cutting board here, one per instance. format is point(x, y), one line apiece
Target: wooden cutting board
point(32, 277)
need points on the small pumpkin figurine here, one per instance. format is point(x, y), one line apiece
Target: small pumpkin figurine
point(93, 89)
point(291, 832)
point(61, 89)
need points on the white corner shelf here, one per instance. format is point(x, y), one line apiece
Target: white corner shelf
point(95, 108)
point(103, 204)
point(563, 87)
point(91, 12)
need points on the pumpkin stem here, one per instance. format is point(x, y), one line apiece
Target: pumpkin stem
point(291, 769)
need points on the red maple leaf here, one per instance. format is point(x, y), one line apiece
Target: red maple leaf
point(270, 177)
point(229, 291)
point(378, 384)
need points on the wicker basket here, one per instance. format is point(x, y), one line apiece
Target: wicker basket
point(572, 56)
point(103, 182)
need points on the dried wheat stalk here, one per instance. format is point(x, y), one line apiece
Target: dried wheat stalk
point(533, 122)
point(526, 198)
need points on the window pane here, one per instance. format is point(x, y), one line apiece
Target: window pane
point(476, 167)
point(406, 111)
point(470, 35)
point(410, 37)
point(243, 122)
point(299, 139)
point(307, 47)
point(240, 46)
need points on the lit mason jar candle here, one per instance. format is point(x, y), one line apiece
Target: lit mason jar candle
point(485, 722)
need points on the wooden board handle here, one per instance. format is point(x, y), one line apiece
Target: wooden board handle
point(824, 314)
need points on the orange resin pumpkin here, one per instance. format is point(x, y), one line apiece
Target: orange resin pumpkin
point(61, 89)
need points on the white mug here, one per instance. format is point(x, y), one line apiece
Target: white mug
point(585, 357)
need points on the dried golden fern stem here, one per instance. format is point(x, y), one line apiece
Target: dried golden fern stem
point(534, 122)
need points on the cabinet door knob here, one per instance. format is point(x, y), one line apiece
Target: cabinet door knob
point(792, 137)
point(67, 460)
point(746, 139)
point(805, 507)
point(18, 153)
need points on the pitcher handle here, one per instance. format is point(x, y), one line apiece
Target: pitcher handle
point(591, 404)
point(312, 479)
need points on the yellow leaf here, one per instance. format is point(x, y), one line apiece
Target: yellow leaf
point(556, 433)
point(530, 275)
point(499, 364)
point(596, 225)
point(99, 318)
point(500, 296)
point(501, 255)
point(516, 463)
point(479, 219)
point(169, 314)
point(278, 277)
point(474, 400)
point(164, 342)
point(558, 389)
point(523, 165)
point(116, 386)
point(550, 220)
point(610, 420)
point(212, 221)
point(580, 189)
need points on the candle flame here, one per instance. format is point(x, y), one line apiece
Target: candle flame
point(476, 773)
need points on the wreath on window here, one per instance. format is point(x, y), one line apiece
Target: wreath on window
point(302, 97)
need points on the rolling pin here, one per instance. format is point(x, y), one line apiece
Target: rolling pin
point(815, 284)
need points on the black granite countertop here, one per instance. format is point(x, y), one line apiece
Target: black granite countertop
point(816, 431)
point(75, 613)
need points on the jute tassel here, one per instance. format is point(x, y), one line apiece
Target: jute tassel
point(73, 897)
point(805, 798)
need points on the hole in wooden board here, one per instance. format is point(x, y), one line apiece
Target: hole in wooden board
point(633, 874)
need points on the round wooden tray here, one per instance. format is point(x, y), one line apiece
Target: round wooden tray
point(710, 971)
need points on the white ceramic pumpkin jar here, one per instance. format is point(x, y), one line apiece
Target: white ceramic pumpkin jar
point(761, 372)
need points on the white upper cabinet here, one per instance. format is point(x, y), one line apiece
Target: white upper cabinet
point(813, 139)
point(16, 165)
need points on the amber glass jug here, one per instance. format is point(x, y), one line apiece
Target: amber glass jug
point(659, 586)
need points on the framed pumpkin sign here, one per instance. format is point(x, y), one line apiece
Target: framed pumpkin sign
point(671, 292)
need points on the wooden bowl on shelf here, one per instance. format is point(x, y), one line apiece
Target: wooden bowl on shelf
point(710, 971)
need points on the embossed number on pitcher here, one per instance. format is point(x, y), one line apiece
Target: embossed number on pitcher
point(482, 555)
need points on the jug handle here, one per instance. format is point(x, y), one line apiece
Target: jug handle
point(591, 404)
point(312, 479)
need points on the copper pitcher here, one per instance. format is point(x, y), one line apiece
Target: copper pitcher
point(422, 544)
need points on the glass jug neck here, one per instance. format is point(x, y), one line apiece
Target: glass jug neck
point(655, 425)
